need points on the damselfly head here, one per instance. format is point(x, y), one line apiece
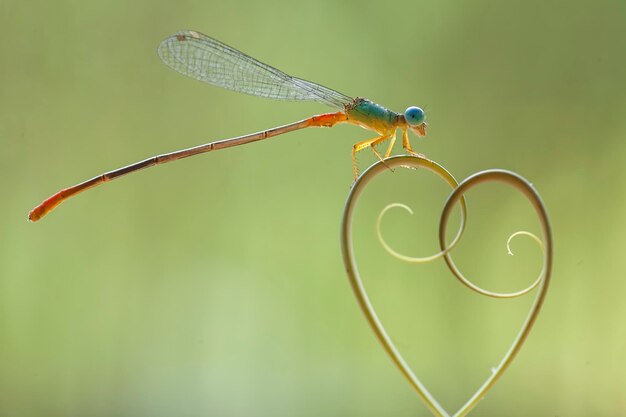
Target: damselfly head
point(414, 116)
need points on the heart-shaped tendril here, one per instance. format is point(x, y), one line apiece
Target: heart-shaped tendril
point(456, 196)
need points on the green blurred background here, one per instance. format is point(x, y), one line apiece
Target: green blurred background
point(215, 285)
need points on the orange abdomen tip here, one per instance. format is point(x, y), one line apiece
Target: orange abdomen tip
point(46, 207)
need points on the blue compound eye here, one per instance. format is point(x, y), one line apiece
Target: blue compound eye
point(414, 116)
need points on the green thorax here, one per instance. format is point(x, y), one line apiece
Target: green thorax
point(371, 114)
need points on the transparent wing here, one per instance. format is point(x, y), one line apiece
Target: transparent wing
point(206, 59)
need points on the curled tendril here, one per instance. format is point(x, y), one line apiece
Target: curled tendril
point(516, 182)
point(456, 196)
point(522, 233)
point(446, 249)
point(447, 177)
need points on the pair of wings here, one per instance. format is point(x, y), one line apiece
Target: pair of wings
point(206, 59)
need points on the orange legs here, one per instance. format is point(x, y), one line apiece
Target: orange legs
point(371, 143)
point(407, 145)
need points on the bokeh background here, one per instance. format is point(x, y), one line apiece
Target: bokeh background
point(215, 285)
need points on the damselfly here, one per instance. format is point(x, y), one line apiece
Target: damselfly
point(206, 59)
